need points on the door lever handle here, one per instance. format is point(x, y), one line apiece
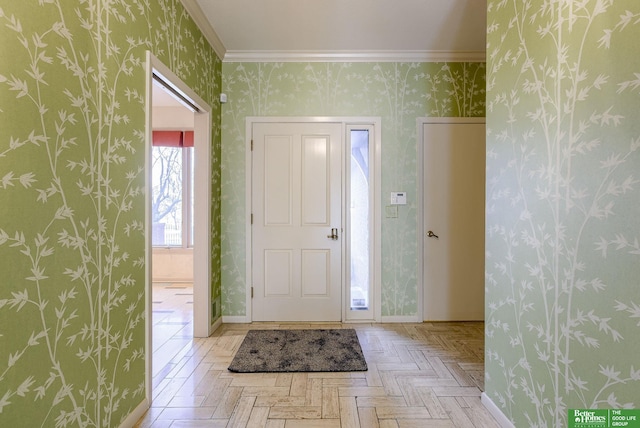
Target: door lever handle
point(334, 234)
point(430, 234)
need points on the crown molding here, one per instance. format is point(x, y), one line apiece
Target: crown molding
point(193, 9)
point(354, 56)
point(196, 13)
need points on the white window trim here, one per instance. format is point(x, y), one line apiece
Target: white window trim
point(373, 312)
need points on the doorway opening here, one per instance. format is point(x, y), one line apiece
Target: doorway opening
point(183, 232)
point(172, 155)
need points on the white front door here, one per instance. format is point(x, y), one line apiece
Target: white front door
point(297, 208)
point(453, 200)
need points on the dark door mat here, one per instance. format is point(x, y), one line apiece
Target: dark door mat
point(334, 350)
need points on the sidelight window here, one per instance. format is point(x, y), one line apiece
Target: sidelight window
point(361, 214)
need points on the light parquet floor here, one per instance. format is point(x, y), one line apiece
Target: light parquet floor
point(420, 375)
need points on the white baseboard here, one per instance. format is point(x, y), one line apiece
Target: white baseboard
point(135, 416)
point(216, 325)
point(495, 411)
point(235, 320)
point(402, 319)
point(390, 319)
point(157, 278)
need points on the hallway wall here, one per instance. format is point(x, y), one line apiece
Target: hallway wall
point(397, 92)
point(563, 203)
point(172, 264)
point(72, 238)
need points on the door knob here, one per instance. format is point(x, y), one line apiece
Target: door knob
point(334, 234)
point(430, 234)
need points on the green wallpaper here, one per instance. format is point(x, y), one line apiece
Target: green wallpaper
point(563, 203)
point(72, 122)
point(397, 92)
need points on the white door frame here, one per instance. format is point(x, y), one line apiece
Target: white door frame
point(420, 122)
point(377, 222)
point(202, 326)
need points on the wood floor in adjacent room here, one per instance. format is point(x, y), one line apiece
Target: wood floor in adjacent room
point(420, 375)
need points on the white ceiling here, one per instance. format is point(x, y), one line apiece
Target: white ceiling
point(243, 30)
point(352, 30)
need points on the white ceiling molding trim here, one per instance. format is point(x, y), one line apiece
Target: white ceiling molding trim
point(194, 10)
point(363, 56)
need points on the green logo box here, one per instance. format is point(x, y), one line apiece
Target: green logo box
point(603, 418)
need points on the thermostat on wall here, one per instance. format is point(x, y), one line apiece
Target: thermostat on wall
point(398, 198)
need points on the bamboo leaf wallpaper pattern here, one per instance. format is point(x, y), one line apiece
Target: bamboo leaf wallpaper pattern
point(562, 266)
point(562, 263)
point(72, 126)
point(397, 92)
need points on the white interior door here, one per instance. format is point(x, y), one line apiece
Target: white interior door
point(453, 200)
point(296, 203)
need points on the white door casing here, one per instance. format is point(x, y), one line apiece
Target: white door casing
point(202, 314)
point(453, 201)
point(296, 201)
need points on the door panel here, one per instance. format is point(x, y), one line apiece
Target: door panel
point(278, 180)
point(296, 201)
point(316, 273)
point(454, 189)
point(277, 272)
point(316, 202)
